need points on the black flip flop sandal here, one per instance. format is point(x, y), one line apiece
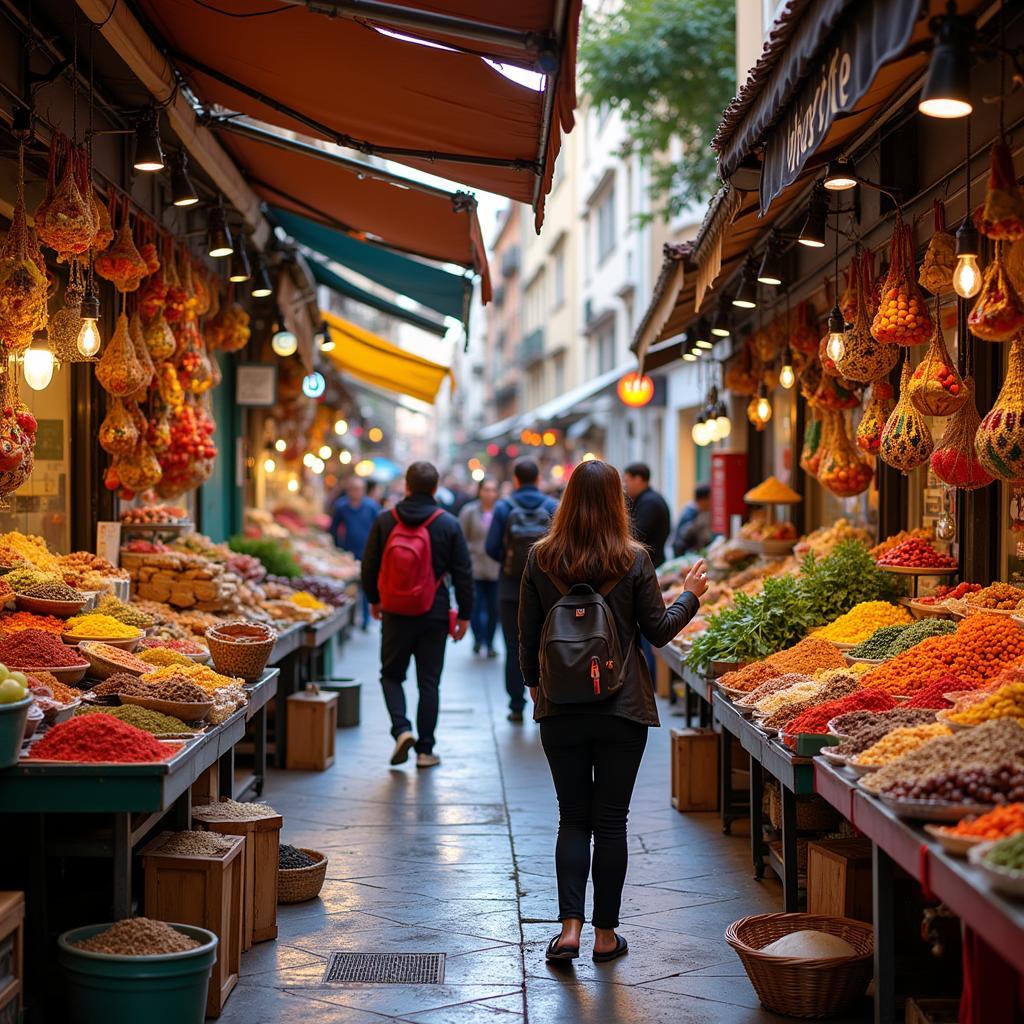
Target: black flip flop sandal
point(621, 949)
point(557, 952)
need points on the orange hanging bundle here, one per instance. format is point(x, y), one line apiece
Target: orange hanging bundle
point(864, 358)
point(804, 335)
point(833, 394)
point(121, 264)
point(64, 219)
point(118, 433)
point(902, 317)
point(998, 313)
point(936, 387)
point(1001, 216)
point(842, 470)
point(1000, 438)
point(954, 461)
point(906, 440)
point(876, 415)
point(739, 376)
point(940, 257)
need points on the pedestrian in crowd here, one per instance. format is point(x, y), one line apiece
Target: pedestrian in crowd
point(694, 533)
point(520, 520)
point(475, 519)
point(411, 554)
point(589, 593)
point(352, 517)
point(457, 495)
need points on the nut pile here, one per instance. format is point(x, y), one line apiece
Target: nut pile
point(232, 809)
point(139, 936)
point(895, 744)
point(53, 592)
point(976, 785)
point(998, 596)
point(196, 844)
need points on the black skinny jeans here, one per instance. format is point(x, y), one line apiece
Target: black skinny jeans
point(594, 760)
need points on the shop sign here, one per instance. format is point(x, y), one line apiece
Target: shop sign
point(870, 35)
point(256, 385)
point(728, 485)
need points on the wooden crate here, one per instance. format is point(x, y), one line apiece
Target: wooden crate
point(839, 878)
point(205, 891)
point(259, 884)
point(312, 720)
point(662, 679)
point(694, 769)
point(12, 957)
point(932, 1011)
point(206, 789)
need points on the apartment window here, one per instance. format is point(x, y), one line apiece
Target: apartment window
point(606, 225)
point(559, 374)
point(602, 350)
point(558, 278)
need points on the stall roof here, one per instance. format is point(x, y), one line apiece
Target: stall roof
point(422, 93)
point(428, 285)
point(368, 357)
point(360, 199)
point(735, 221)
point(325, 276)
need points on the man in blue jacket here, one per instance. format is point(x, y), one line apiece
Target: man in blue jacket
point(351, 519)
point(519, 522)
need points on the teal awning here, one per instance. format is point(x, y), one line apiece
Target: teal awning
point(428, 285)
point(329, 279)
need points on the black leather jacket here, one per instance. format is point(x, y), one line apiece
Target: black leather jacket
point(638, 608)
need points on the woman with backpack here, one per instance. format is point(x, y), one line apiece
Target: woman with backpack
point(588, 594)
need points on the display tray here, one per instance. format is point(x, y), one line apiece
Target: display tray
point(1005, 880)
point(843, 648)
point(930, 810)
point(965, 610)
point(102, 667)
point(185, 526)
point(830, 725)
point(911, 570)
point(836, 759)
point(176, 708)
point(861, 770)
point(850, 660)
point(958, 846)
point(928, 611)
point(720, 668)
point(175, 745)
point(942, 718)
point(731, 693)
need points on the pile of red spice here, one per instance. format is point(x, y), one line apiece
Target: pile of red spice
point(37, 648)
point(181, 646)
point(18, 621)
point(934, 696)
point(917, 554)
point(815, 720)
point(945, 593)
point(100, 738)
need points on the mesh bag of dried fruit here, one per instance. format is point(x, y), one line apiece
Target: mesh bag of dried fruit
point(939, 262)
point(118, 433)
point(1000, 438)
point(906, 440)
point(954, 461)
point(902, 317)
point(876, 413)
point(121, 264)
point(119, 371)
point(843, 471)
point(998, 313)
point(936, 387)
point(865, 359)
point(64, 219)
point(1001, 216)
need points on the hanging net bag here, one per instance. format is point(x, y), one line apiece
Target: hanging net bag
point(118, 433)
point(1000, 438)
point(121, 264)
point(998, 313)
point(936, 387)
point(954, 461)
point(876, 415)
point(804, 336)
point(939, 262)
point(833, 394)
point(843, 470)
point(119, 372)
point(67, 321)
point(1001, 216)
point(906, 440)
point(145, 361)
point(864, 359)
point(902, 317)
point(739, 377)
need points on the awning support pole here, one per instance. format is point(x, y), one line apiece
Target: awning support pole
point(347, 141)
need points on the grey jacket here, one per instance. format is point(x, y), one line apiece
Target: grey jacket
point(471, 518)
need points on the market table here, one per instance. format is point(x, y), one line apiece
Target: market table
point(795, 776)
point(693, 684)
point(964, 889)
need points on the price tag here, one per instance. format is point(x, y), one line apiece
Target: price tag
point(108, 541)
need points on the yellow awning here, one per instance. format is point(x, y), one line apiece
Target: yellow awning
point(375, 361)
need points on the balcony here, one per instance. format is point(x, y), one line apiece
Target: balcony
point(499, 296)
point(506, 393)
point(532, 347)
point(510, 261)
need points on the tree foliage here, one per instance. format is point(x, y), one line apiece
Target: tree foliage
point(669, 67)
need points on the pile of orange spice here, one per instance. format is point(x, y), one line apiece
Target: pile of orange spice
point(17, 621)
point(1000, 823)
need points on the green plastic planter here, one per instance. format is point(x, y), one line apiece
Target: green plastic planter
point(168, 989)
point(12, 730)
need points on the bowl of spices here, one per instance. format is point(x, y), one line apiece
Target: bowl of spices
point(105, 659)
point(37, 649)
point(104, 628)
point(51, 598)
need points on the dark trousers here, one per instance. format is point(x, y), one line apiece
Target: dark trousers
point(401, 639)
point(594, 760)
point(484, 618)
point(514, 685)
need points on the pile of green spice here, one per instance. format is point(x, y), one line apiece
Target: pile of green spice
point(887, 642)
point(876, 647)
point(20, 580)
point(126, 613)
point(142, 718)
point(291, 857)
point(139, 936)
point(1007, 854)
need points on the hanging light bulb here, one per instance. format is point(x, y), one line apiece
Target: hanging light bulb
point(946, 92)
point(341, 427)
point(293, 485)
point(280, 445)
point(787, 376)
point(699, 433)
point(284, 343)
point(746, 294)
point(89, 340)
point(313, 384)
point(967, 274)
point(183, 192)
point(689, 357)
point(835, 347)
point(218, 237)
point(812, 234)
point(240, 270)
point(325, 451)
point(759, 409)
point(269, 465)
point(149, 156)
point(722, 422)
point(840, 176)
point(38, 362)
point(261, 286)
point(325, 339)
point(344, 456)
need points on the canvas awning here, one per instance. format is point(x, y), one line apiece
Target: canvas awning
point(446, 293)
point(368, 357)
point(325, 276)
point(440, 107)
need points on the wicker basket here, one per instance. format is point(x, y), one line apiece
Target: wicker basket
point(797, 987)
point(813, 813)
point(241, 648)
point(296, 885)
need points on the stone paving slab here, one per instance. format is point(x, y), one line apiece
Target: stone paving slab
point(460, 860)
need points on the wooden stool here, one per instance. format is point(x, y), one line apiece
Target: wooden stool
point(312, 720)
point(206, 891)
point(12, 963)
point(261, 859)
point(695, 769)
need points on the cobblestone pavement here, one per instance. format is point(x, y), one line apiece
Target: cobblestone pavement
point(460, 860)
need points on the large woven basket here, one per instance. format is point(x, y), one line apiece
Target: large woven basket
point(240, 648)
point(296, 885)
point(797, 987)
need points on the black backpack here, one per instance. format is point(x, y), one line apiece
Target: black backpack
point(580, 657)
point(523, 528)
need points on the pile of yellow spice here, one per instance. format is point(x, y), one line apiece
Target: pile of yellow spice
point(861, 621)
point(95, 625)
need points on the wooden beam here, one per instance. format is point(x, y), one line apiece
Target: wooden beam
point(152, 69)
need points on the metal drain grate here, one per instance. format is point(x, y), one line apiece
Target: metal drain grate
point(385, 968)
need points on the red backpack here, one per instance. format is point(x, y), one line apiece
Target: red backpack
point(406, 582)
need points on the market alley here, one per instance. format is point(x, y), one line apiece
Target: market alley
point(459, 860)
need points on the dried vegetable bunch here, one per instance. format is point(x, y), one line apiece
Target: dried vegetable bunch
point(842, 470)
point(902, 317)
point(739, 376)
point(804, 335)
point(64, 220)
point(906, 441)
point(864, 359)
point(939, 262)
point(1000, 439)
point(955, 461)
point(936, 387)
point(998, 312)
point(1001, 216)
point(810, 449)
point(876, 414)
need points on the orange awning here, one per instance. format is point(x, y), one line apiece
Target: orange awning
point(445, 110)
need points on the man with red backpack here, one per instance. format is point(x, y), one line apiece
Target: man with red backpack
point(412, 552)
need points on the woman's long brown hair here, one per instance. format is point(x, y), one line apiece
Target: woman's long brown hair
point(590, 538)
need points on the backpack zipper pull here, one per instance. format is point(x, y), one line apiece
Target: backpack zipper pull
point(595, 674)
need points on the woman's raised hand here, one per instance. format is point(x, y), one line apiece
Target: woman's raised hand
point(697, 579)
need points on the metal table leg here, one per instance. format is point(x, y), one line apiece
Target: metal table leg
point(703, 711)
point(883, 895)
point(757, 848)
point(725, 780)
point(287, 684)
point(259, 751)
point(790, 881)
point(122, 866)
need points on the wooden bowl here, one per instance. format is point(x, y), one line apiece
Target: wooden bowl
point(40, 606)
point(70, 675)
point(928, 611)
point(953, 844)
point(178, 709)
point(103, 668)
point(125, 643)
